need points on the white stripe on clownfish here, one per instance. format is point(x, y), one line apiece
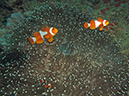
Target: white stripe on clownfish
point(34, 39)
point(104, 22)
point(42, 33)
point(97, 23)
point(51, 31)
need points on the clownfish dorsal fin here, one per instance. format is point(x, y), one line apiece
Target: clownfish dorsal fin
point(43, 26)
point(100, 19)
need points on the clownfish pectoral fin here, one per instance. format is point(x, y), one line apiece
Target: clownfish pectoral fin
point(47, 36)
point(101, 28)
point(39, 41)
point(50, 40)
point(101, 25)
point(86, 25)
point(32, 40)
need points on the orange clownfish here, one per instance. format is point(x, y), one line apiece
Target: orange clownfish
point(96, 23)
point(45, 32)
point(47, 84)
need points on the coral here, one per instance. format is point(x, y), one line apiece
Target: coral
point(79, 62)
point(7, 7)
point(12, 22)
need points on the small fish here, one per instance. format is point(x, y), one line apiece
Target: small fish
point(96, 23)
point(47, 84)
point(45, 32)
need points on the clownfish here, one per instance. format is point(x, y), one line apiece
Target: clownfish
point(96, 23)
point(45, 32)
point(47, 84)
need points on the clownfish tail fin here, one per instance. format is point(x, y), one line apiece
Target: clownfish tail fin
point(86, 25)
point(32, 40)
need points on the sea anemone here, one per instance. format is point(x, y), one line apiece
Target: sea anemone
point(78, 62)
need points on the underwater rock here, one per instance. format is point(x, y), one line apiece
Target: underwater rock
point(15, 19)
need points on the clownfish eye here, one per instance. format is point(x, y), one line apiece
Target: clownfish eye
point(53, 29)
